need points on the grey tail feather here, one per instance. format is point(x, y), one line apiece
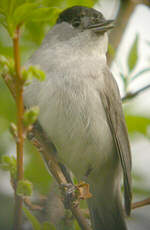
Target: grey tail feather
point(106, 213)
point(128, 198)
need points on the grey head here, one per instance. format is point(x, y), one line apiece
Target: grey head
point(84, 18)
point(80, 31)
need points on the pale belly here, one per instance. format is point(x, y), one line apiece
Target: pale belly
point(77, 126)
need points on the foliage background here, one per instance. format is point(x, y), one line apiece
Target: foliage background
point(32, 35)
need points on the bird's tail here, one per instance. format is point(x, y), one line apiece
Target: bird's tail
point(106, 209)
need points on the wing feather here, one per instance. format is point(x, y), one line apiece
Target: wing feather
point(113, 107)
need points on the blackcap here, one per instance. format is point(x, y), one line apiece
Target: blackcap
point(81, 111)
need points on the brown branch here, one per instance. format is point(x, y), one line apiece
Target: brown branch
point(31, 205)
point(20, 136)
point(141, 203)
point(129, 95)
point(126, 9)
point(43, 144)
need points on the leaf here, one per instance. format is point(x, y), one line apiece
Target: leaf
point(133, 54)
point(23, 12)
point(24, 188)
point(111, 50)
point(30, 116)
point(7, 9)
point(37, 73)
point(48, 226)
point(3, 20)
point(140, 191)
point(4, 5)
point(34, 221)
point(137, 124)
point(9, 5)
point(8, 162)
point(88, 3)
point(45, 14)
point(2, 11)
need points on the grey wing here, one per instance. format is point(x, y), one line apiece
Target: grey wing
point(111, 100)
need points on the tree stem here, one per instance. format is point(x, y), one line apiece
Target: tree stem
point(20, 140)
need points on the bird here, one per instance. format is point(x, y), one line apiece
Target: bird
point(81, 111)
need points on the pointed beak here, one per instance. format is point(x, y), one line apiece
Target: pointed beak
point(102, 27)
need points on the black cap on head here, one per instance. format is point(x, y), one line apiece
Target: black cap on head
point(74, 14)
point(85, 18)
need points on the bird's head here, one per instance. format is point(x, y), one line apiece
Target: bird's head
point(84, 18)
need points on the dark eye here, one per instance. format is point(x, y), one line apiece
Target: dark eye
point(76, 23)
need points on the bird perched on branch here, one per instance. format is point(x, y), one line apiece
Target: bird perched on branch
point(81, 111)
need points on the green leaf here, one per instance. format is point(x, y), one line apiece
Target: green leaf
point(37, 73)
point(111, 50)
point(11, 7)
point(137, 124)
point(45, 14)
point(34, 221)
point(4, 5)
point(8, 163)
point(48, 226)
point(30, 116)
point(24, 188)
point(2, 11)
point(141, 191)
point(3, 61)
point(133, 54)
point(7, 65)
point(88, 3)
point(23, 12)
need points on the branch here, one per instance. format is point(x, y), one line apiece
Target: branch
point(10, 84)
point(20, 135)
point(126, 9)
point(141, 203)
point(43, 144)
point(31, 205)
point(129, 95)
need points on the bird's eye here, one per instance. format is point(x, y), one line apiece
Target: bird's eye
point(76, 23)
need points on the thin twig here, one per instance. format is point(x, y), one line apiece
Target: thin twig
point(32, 206)
point(129, 95)
point(10, 84)
point(20, 136)
point(141, 203)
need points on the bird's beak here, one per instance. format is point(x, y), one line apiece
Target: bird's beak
point(102, 27)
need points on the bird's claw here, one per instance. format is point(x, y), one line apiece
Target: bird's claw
point(72, 194)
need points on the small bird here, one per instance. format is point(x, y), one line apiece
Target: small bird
point(81, 111)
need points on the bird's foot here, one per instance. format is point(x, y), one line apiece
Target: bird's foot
point(72, 194)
